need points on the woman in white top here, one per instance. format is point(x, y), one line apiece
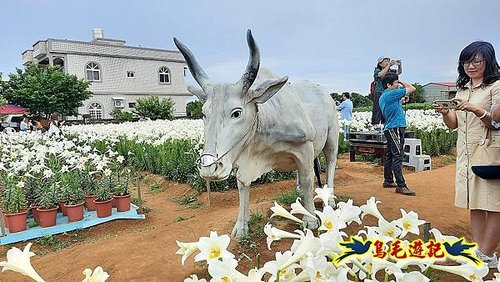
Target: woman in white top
point(24, 126)
point(54, 127)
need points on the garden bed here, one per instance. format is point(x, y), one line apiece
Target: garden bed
point(89, 219)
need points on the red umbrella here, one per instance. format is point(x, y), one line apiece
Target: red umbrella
point(11, 109)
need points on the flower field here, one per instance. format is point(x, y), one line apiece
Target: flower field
point(92, 157)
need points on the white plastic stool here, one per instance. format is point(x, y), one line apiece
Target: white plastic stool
point(423, 162)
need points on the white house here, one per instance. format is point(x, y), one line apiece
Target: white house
point(439, 91)
point(119, 74)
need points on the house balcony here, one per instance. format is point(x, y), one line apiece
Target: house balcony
point(27, 57)
point(39, 49)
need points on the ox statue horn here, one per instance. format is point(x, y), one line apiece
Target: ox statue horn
point(198, 73)
point(253, 65)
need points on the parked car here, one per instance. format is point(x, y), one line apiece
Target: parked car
point(12, 120)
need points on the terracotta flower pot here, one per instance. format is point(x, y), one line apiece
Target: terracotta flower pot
point(63, 208)
point(103, 208)
point(47, 216)
point(34, 211)
point(75, 212)
point(89, 202)
point(17, 221)
point(122, 203)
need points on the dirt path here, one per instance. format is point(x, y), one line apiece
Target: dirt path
point(145, 250)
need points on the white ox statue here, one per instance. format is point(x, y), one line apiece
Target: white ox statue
point(272, 126)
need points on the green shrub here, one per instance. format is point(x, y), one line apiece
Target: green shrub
point(193, 109)
point(154, 108)
point(121, 115)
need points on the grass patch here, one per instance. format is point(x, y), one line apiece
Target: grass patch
point(189, 201)
point(155, 188)
point(52, 243)
point(179, 219)
point(287, 198)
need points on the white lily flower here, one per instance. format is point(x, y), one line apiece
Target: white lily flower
point(325, 194)
point(194, 278)
point(306, 244)
point(297, 207)
point(19, 261)
point(120, 159)
point(388, 230)
point(99, 275)
point(371, 208)
point(254, 275)
point(275, 234)
point(467, 271)
point(409, 222)
point(329, 242)
point(349, 212)
point(330, 219)
point(281, 211)
point(213, 248)
point(224, 270)
point(186, 249)
point(440, 237)
point(285, 274)
point(413, 276)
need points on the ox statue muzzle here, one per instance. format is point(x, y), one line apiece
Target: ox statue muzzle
point(213, 168)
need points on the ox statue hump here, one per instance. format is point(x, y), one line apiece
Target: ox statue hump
point(261, 123)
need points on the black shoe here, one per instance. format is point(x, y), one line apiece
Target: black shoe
point(389, 185)
point(405, 191)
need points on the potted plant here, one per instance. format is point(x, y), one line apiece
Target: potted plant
point(89, 187)
point(14, 204)
point(47, 202)
point(75, 197)
point(121, 193)
point(104, 196)
point(32, 191)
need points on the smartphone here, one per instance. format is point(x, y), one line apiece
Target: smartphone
point(447, 104)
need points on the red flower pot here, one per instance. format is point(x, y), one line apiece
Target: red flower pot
point(63, 208)
point(122, 203)
point(89, 202)
point(34, 211)
point(75, 212)
point(17, 221)
point(47, 216)
point(103, 208)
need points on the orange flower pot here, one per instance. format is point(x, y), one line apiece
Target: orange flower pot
point(89, 202)
point(17, 221)
point(47, 216)
point(75, 212)
point(103, 208)
point(122, 203)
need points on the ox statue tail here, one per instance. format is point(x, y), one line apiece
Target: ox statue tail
point(317, 170)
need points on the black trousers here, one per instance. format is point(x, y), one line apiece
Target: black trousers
point(377, 116)
point(393, 166)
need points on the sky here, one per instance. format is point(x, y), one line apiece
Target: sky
point(330, 42)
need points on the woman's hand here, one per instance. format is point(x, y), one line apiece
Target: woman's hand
point(464, 105)
point(439, 109)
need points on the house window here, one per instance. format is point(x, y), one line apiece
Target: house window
point(131, 105)
point(93, 72)
point(95, 110)
point(164, 75)
point(130, 74)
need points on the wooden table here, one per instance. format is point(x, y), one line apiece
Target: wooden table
point(370, 142)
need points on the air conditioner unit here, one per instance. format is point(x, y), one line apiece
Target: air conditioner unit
point(119, 104)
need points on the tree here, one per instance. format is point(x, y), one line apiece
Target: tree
point(418, 95)
point(193, 109)
point(154, 108)
point(359, 100)
point(46, 90)
point(3, 100)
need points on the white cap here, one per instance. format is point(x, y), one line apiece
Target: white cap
point(380, 59)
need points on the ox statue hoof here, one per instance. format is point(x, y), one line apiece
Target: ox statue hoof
point(311, 223)
point(239, 230)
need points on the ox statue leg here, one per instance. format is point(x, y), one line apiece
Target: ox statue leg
point(306, 183)
point(331, 150)
point(241, 227)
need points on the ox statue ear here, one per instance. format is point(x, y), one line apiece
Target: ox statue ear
point(267, 90)
point(198, 93)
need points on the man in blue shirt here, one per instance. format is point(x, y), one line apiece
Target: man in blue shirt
point(394, 131)
point(345, 109)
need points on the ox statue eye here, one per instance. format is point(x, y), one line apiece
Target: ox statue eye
point(236, 113)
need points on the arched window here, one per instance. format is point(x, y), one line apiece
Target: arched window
point(164, 75)
point(95, 110)
point(93, 72)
